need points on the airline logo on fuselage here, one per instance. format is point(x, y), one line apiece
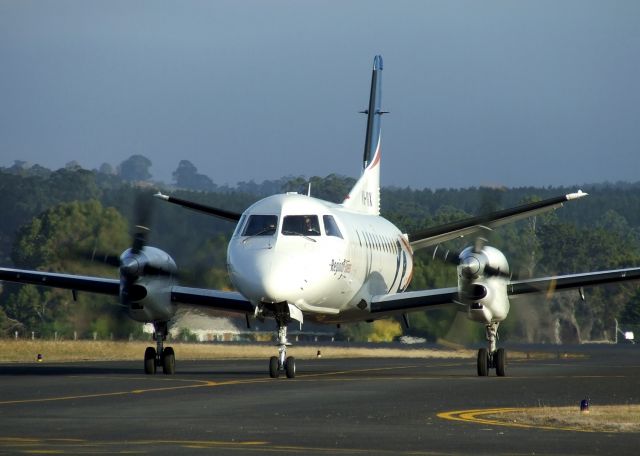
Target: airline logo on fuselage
point(338, 266)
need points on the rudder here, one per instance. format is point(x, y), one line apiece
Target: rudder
point(365, 194)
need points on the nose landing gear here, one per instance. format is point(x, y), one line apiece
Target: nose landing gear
point(493, 358)
point(160, 356)
point(281, 362)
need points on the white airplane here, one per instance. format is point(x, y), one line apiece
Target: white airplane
point(293, 257)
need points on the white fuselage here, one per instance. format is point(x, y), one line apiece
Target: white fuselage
point(323, 259)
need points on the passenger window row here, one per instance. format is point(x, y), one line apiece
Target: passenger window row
point(378, 242)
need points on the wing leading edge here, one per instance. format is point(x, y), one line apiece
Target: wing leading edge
point(454, 230)
point(228, 301)
point(563, 282)
point(393, 304)
point(209, 210)
point(216, 300)
point(66, 281)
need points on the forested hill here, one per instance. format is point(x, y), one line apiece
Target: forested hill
point(49, 216)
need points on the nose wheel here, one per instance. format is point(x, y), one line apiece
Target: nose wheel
point(493, 358)
point(160, 356)
point(289, 367)
point(282, 362)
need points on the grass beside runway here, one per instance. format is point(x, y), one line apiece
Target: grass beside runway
point(600, 418)
point(26, 351)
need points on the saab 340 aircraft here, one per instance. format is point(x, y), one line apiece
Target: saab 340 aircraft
point(294, 257)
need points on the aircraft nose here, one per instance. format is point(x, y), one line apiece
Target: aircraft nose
point(278, 281)
point(266, 277)
point(253, 275)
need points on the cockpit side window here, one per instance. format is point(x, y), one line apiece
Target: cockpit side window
point(330, 226)
point(301, 225)
point(240, 225)
point(261, 225)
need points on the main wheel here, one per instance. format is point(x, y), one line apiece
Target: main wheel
point(168, 361)
point(274, 368)
point(483, 362)
point(290, 367)
point(500, 360)
point(150, 361)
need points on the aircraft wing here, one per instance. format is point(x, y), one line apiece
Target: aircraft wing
point(66, 281)
point(398, 303)
point(412, 300)
point(461, 228)
point(217, 300)
point(209, 210)
point(563, 282)
point(228, 301)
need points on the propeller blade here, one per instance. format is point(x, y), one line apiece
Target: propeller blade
point(478, 245)
point(98, 257)
point(447, 256)
point(149, 270)
point(142, 216)
point(496, 272)
point(139, 239)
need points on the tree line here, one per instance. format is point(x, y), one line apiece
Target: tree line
point(51, 219)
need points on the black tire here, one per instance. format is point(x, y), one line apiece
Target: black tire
point(274, 368)
point(150, 361)
point(290, 367)
point(168, 361)
point(483, 362)
point(500, 360)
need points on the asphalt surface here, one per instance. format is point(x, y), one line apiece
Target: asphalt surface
point(362, 406)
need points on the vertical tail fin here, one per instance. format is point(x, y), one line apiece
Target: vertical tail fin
point(365, 195)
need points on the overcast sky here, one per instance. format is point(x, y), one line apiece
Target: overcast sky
point(508, 93)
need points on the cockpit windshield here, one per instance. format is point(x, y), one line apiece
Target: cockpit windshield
point(301, 225)
point(261, 225)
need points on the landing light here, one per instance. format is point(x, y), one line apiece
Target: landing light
point(629, 335)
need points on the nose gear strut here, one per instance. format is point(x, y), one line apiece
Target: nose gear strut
point(493, 358)
point(281, 362)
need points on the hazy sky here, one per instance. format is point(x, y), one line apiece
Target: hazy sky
point(480, 92)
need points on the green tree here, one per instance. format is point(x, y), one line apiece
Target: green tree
point(631, 312)
point(187, 176)
point(135, 168)
point(60, 240)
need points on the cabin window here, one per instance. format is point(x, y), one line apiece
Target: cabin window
point(261, 225)
point(301, 225)
point(330, 226)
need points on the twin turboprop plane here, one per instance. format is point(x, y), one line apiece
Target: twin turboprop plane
point(295, 258)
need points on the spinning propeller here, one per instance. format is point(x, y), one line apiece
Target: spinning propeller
point(139, 260)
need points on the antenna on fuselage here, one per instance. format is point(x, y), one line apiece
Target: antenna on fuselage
point(309, 189)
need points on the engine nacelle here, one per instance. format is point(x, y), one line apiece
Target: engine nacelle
point(482, 284)
point(146, 278)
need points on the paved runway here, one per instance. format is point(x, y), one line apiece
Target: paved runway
point(363, 406)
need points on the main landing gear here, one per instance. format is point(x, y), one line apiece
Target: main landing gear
point(159, 356)
point(492, 358)
point(281, 362)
